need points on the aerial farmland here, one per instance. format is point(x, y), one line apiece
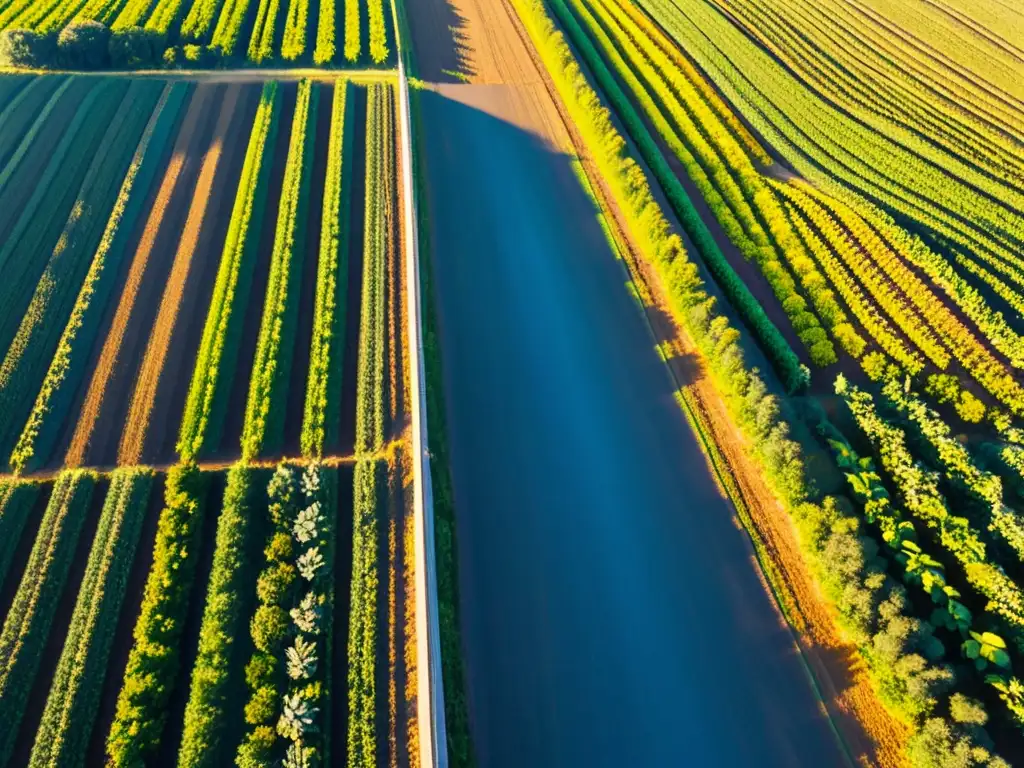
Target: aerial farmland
point(512, 383)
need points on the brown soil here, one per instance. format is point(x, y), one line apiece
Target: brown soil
point(307, 296)
point(161, 439)
point(230, 444)
point(33, 712)
point(164, 346)
point(94, 439)
point(123, 639)
point(353, 300)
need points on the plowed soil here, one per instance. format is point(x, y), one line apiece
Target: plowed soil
point(95, 440)
point(164, 361)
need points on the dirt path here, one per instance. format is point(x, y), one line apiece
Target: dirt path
point(141, 287)
point(160, 341)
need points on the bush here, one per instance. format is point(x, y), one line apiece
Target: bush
point(275, 583)
point(269, 627)
point(823, 353)
point(970, 408)
point(84, 45)
point(136, 48)
point(874, 365)
point(27, 49)
point(262, 707)
point(256, 751)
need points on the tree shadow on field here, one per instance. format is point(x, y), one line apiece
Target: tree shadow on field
point(440, 41)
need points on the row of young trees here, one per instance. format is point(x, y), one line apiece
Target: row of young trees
point(70, 360)
point(264, 426)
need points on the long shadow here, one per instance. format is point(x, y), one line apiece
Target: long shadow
point(440, 41)
point(611, 610)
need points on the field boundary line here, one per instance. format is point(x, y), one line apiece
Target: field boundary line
point(430, 715)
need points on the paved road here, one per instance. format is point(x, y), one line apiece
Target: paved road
point(612, 614)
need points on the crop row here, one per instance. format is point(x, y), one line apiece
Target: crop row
point(919, 490)
point(47, 207)
point(154, 662)
point(910, 176)
point(74, 698)
point(920, 570)
point(329, 318)
point(369, 482)
point(215, 678)
point(208, 392)
point(892, 98)
point(28, 621)
point(69, 363)
point(269, 383)
point(738, 196)
point(22, 116)
point(36, 338)
point(783, 358)
point(17, 498)
point(291, 627)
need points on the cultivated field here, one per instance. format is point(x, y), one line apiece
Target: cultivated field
point(194, 34)
point(207, 538)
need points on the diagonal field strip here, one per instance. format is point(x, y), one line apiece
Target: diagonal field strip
point(99, 384)
point(134, 435)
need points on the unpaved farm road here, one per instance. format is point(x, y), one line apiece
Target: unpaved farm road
point(611, 611)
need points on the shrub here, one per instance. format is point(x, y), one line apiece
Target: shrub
point(84, 44)
point(136, 48)
point(26, 49)
point(153, 665)
point(269, 627)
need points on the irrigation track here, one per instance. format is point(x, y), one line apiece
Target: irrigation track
point(387, 453)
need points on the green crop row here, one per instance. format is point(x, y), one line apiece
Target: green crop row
point(264, 424)
point(229, 25)
point(22, 111)
point(133, 14)
point(380, 174)
point(920, 493)
point(47, 208)
point(353, 41)
point(164, 14)
point(69, 362)
point(215, 674)
point(327, 346)
point(208, 392)
point(378, 31)
point(785, 361)
point(18, 154)
point(153, 667)
point(907, 174)
point(36, 338)
point(288, 705)
point(293, 44)
point(199, 20)
point(326, 27)
point(17, 498)
point(74, 698)
point(261, 44)
point(715, 161)
point(28, 621)
point(369, 486)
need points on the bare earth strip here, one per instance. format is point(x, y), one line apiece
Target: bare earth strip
point(104, 371)
point(134, 435)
